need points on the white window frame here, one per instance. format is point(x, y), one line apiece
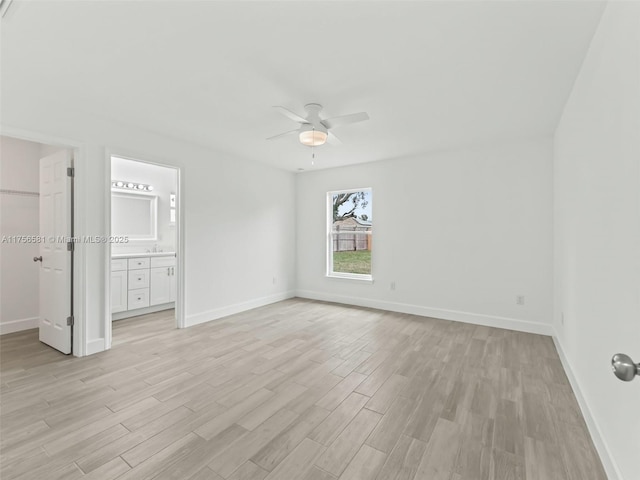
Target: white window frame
point(364, 277)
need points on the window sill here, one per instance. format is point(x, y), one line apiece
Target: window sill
point(351, 276)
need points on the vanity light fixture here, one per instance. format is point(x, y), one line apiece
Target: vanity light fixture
point(131, 186)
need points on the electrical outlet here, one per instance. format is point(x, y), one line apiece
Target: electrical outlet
point(520, 300)
point(392, 286)
point(562, 319)
point(274, 280)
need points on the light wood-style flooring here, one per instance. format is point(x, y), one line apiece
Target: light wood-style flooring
point(298, 390)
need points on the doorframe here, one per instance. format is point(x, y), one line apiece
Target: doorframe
point(78, 292)
point(180, 277)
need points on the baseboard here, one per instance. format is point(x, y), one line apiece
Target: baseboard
point(95, 346)
point(217, 313)
point(454, 315)
point(610, 466)
point(13, 326)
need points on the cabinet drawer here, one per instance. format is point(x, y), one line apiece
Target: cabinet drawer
point(138, 279)
point(118, 264)
point(163, 262)
point(142, 262)
point(138, 298)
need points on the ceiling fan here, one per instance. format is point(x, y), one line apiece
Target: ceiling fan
point(313, 130)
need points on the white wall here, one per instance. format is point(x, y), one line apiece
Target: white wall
point(241, 236)
point(462, 233)
point(164, 181)
point(597, 235)
point(19, 275)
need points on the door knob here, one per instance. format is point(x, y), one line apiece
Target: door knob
point(624, 368)
point(37, 259)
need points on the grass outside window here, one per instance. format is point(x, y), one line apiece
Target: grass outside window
point(357, 261)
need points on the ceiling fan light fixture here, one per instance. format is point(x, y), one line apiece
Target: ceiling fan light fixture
point(313, 138)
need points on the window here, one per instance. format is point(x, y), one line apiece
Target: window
point(350, 223)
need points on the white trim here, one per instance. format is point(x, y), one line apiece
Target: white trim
point(610, 466)
point(108, 337)
point(95, 346)
point(358, 277)
point(79, 162)
point(349, 190)
point(13, 326)
point(181, 302)
point(180, 240)
point(217, 313)
point(441, 313)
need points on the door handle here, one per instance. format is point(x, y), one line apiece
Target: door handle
point(624, 368)
point(37, 259)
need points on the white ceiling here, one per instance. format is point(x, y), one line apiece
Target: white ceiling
point(431, 75)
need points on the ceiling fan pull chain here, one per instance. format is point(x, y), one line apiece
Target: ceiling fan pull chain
point(313, 152)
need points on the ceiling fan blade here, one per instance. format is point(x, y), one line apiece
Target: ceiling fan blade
point(345, 119)
point(332, 139)
point(283, 134)
point(289, 114)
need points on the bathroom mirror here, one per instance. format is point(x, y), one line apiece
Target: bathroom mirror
point(134, 215)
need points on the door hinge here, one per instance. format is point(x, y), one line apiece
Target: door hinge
point(70, 321)
point(70, 246)
point(71, 172)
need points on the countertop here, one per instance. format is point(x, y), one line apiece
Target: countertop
point(143, 254)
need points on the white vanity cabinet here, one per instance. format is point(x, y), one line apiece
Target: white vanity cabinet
point(163, 280)
point(119, 288)
point(142, 284)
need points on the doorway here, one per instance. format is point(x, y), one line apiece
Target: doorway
point(144, 260)
point(36, 209)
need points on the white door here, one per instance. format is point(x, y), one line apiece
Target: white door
point(55, 268)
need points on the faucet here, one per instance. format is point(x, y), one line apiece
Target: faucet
point(155, 248)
